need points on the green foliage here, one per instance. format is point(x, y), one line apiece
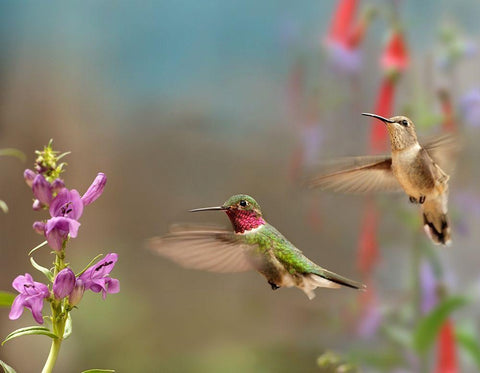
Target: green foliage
point(3, 206)
point(428, 327)
point(37, 247)
point(6, 368)
point(11, 152)
point(44, 270)
point(68, 327)
point(30, 330)
point(47, 161)
point(98, 371)
point(469, 343)
point(6, 298)
point(334, 362)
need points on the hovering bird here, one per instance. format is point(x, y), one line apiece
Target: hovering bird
point(254, 245)
point(411, 167)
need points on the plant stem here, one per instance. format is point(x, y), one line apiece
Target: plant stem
point(58, 318)
point(52, 356)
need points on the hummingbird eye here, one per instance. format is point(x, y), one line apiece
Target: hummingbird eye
point(404, 122)
point(243, 203)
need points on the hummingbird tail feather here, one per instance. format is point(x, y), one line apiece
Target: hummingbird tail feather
point(313, 281)
point(435, 221)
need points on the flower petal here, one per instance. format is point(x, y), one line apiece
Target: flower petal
point(95, 190)
point(17, 307)
point(67, 203)
point(29, 175)
point(64, 283)
point(39, 227)
point(42, 189)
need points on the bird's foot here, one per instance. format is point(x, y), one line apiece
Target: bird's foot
point(412, 199)
point(421, 200)
point(273, 285)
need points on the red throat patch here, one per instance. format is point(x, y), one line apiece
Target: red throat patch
point(244, 220)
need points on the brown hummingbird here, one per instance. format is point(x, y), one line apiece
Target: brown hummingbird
point(411, 167)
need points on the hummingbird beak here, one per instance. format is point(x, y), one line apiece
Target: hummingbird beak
point(215, 208)
point(385, 120)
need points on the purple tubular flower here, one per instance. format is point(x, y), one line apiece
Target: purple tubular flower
point(29, 175)
point(95, 190)
point(64, 283)
point(96, 277)
point(58, 185)
point(67, 204)
point(39, 227)
point(42, 190)
point(57, 230)
point(77, 294)
point(31, 296)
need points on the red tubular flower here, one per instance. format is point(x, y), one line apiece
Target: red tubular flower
point(384, 107)
point(342, 21)
point(446, 354)
point(368, 246)
point(395, 55)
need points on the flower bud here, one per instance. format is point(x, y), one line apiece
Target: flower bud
point(64, 283)
point(58, 184)
point(77, 294)
point(42, 189)
point(95, 190)
point(29, 175)
point(39, 227)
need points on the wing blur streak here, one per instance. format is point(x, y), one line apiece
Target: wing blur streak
point(204, 247)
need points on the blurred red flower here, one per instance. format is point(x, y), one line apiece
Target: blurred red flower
point(446, 354)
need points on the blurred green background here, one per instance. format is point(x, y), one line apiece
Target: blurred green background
point(182, 104)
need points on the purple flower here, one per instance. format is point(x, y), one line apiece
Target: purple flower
point(31, 296)
point(64, 283)
point(77, 293)
point(29, 175)
point(95, 190)
point(58, 185)
point(67, 204)
point(42, 190)
point(57, 230)
point(428, 284)
point(470, 107)
point(344, 60)
point(96, 277)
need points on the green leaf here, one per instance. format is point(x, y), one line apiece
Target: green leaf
point(429, 326)
point(37, 247)
point(11, 152)
point(30, 330)
point(68, 327)
point(6, 368)
point(469, 343)
point(3, 206)
point(44, 270)
point(98, 371)
point(89, 264)
point(6, 298)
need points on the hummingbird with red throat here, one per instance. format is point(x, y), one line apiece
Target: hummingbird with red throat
point(253, 245)
point(413, 168)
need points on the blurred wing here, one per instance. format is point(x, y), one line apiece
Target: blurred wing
point(360, 175)
point(204, 247)
point(444, 150)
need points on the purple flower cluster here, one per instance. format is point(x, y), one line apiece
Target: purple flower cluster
point(96, 278)
point(65, 206)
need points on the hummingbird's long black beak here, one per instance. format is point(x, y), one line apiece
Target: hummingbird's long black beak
point(383, 119)
point(215, 208)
